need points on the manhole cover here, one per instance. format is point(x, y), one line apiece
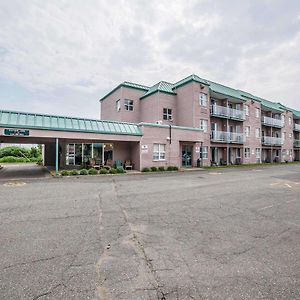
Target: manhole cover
point(14, 183)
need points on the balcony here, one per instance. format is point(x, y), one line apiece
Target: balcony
point(267, 121)
point(272, 141)
point(227, 137)
point(297, 127)
point(297, 143)
point(226, 112)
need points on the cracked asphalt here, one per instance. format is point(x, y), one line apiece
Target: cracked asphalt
point(214, 234)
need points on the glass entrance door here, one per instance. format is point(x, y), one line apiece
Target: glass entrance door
point(187, 151)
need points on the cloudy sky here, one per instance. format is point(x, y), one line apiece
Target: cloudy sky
point(61, 56)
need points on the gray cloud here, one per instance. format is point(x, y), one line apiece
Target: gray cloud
point(74, 52)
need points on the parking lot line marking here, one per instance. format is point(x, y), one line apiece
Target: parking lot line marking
point(275, 183)
point(270, 206)
point(286, 184)
point(214, 173)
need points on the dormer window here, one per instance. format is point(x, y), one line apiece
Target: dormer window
point(128, 104)
point(118, 105)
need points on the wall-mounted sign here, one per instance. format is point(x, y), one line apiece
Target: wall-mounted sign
point(197, 149)
point(16, 132)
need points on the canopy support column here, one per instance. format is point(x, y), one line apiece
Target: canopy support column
point(56, 157)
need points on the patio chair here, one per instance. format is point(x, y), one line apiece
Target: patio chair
point(108, 165)
point(128, 165)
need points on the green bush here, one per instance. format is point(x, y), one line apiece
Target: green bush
point(145, 169)
point(15, 151)
point(172, 168)
point(93, 171)
point(64, 173)
point(83, 172)
point(103, 171)
point(161, 169)
point(120, 170)
point(74, 172)
point(13, 159)
point(153, 169)
point(113, 171)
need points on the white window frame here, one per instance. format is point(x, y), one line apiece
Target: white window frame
point(247, 153)
point(204, 152)
point(290, 121)
point(257, 112)
point(167, 114)
point(203, 99)
point(257, 152)
point(247, 131)
point(257, 133)
point(118, 105)
point(246, 109)
point(160, 153)
point(204, 125)
point(128, 105)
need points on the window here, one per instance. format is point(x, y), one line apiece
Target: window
point(128, 104)
point(257, 132)
point(290, 135)
point(203, 125)
point(247, 131)
point(282, 118)
point(257, 112)
point(167, 114)
point(247, 152)
point(159, 151)
point(204, 152)
point(287, 152)
point(246, 109)
point(203, 99)
point(118, 105)
point(290, 121)
point(257, 152)
point(283, 136)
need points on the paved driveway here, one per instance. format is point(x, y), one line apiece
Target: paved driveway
point(22, 171)
point(219, 234)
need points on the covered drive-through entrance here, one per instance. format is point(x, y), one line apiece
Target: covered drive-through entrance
point(73, 142)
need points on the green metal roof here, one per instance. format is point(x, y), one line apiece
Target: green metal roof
point(225, 90)
point(25, 120)
point(188, 79)
point(162, 86)
point(127, 84)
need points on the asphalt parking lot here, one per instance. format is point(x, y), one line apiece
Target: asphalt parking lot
point(214, 234)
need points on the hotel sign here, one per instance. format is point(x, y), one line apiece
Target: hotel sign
point(16, 132)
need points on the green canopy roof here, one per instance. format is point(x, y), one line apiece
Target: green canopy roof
point(25, 120)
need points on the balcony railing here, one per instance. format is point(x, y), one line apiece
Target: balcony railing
point(297, 143)
point(270, 140)
point(226, 112)
point(227, 137)
point(272, 122)
point(297, 127)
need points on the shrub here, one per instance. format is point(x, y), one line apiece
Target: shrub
point(120, 170)
point(93, 171)
point(161, 169)
point(74, 172)
point(113, 171)
point(83, 172)
point(153, 169)
point(13, 159)
point(169, 168)
point(175, 168)
point(145, 169)
point(103, 171)
point(64, 173)
point(14, 151)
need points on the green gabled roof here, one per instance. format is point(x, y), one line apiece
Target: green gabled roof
point(188, 79)
point(296, 113)
point(162, 86)
point(127, 84)
point(24, 120)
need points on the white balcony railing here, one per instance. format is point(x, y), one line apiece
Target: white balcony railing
point(270, 140)
point(223, 111)
point(297, 127)
point(227, 137)
point(272, 122)
point(297, 143)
